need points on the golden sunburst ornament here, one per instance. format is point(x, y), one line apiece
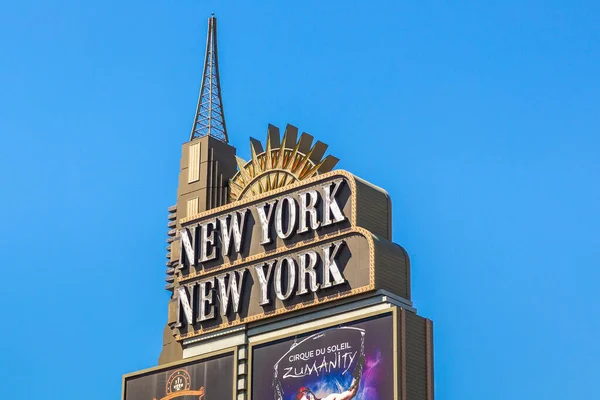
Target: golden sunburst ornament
point(280, 164)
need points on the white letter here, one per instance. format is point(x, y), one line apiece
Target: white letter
point(330, 266)
point(187, 244)
point(206, 300)
point(307, 270)
point(237, 225)
point(265, 219)
point(330, 205)
point(291, 220)
point(208, 252)
point(264, 282)
point(184, 308)
point(308, 208)
point(232, 289)
point(291, 278)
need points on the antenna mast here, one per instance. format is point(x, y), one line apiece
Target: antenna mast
point(210, 119)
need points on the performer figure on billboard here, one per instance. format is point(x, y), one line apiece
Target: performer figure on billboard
point(305, 393)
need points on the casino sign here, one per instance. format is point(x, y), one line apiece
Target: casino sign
point(284, 281)
point(286, 247)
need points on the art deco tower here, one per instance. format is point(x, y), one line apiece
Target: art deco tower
point(207, 164)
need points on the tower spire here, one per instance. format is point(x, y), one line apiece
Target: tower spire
point(210, 119)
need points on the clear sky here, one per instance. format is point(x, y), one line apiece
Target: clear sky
point(480, 118)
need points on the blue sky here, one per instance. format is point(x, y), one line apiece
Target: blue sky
point(480, 119)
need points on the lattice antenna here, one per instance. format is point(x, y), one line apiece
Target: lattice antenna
point(210, 119)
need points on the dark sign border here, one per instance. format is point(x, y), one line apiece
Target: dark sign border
point(187, 361)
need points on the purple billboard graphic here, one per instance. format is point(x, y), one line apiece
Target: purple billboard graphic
point(348, 362)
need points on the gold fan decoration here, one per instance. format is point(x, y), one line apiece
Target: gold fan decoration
point(281, 163)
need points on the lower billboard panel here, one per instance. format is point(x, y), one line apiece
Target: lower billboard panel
point(349, 361)
point(210, 378)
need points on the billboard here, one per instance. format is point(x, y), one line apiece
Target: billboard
point(351, 361)
point(209, 378)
